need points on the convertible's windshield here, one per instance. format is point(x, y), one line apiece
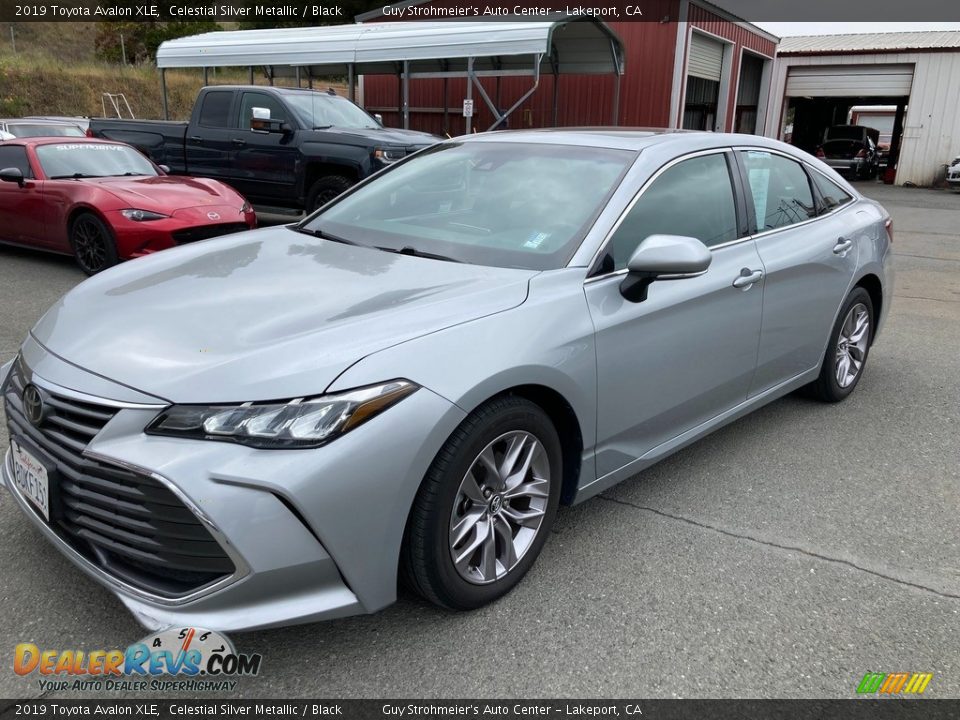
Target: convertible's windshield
point(487, 203)
point(80, 160)
point(320, 110)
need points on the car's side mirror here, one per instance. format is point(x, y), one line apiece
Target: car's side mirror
point(12, 174)
point(165, 169)
point(260, 121)
point(663, 257)
point(379, 118)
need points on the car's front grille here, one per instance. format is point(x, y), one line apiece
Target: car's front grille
point(129, 524)
point(205, 232)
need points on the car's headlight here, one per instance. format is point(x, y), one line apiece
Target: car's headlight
point(142, 215)
point(299, 423)
point(389, 155)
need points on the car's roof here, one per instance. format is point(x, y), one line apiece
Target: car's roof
point(624, 138)
point(36, 121)
point(66, 140)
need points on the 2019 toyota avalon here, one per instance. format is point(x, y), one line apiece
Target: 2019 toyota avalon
point(274, 426)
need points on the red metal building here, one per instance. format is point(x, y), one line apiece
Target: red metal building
point(696, 67)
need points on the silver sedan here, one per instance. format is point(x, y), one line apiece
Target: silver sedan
point(277, 426)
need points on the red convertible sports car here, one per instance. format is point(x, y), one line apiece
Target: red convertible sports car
point(103, 201)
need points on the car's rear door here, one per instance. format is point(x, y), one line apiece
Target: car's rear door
point(208, 144)
point(688, 352)
point(809, 255)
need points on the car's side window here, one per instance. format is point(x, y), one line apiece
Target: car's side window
point(780, 190)
point(832, 195)
point(15, 156)
point(251, 100)
point(215, 111)
point(692, 198)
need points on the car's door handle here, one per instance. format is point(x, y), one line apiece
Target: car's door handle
point(196, 139)
point(239, 141)
point(747, 277)
point(843, 244)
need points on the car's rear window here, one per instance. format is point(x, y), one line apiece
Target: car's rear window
point(24, 130)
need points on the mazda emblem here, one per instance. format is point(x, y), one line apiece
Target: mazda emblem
point(213, 215)
point(33, 405)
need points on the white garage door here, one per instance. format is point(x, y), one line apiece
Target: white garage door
point(849, 81)
point(706, 57)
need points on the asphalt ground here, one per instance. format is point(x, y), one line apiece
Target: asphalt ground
point(784, 556)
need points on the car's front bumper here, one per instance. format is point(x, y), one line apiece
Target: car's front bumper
point(853, 166)
point(314, 534)
point(139, 238)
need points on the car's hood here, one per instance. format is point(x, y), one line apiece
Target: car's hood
point(391, 136)
point(262, 315)
point(167, 193)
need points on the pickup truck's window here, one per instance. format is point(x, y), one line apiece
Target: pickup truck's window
point(317, 110)
point(215, 110)
point(488, 203)
point(250, 100)
point(15, 156)
point(831, 195)
point(85, 160)
point(693, 198)
point(780, 190)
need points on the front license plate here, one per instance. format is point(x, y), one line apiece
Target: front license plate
point(31, 478)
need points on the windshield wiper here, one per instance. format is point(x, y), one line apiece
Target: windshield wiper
point(74, 176)
point(324, 235)
point(412, 251)
point(322, 127)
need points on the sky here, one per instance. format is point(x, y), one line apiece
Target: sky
point(785, 29)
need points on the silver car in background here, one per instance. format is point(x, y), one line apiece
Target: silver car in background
point(276, 426)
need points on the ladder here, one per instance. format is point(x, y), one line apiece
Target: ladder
point(117, 102)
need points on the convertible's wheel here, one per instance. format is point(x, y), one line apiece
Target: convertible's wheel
point(848, 349)
point(485, 507)
point(326, 189)
point(92, 244)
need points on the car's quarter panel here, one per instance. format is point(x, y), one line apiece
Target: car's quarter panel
point(805, 283)
point(675, 360)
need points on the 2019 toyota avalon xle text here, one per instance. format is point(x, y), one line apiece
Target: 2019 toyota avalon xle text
point(275, 426)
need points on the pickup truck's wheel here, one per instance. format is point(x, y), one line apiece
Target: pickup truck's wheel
point(326, 189)
point(92, 243)
point(485, 507)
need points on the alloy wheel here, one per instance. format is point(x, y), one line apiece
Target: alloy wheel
point(499, 507)
point(90, 245)
point(852, 345)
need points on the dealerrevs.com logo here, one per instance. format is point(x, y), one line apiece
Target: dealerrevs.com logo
point(185, 659)
point(899, 683)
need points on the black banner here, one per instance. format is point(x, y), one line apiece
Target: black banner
point(510, 709)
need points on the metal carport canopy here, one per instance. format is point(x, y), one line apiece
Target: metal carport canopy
point(578, 45)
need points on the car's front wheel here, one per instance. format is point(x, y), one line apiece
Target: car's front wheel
point(847, 352)
point(92, 243)
point(485, 507)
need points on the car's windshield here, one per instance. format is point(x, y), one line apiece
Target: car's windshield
point(321, 110)
point(78, 160)
point(487, 203)
point(24, 130)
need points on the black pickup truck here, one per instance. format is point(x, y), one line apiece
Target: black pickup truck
point(279, 147)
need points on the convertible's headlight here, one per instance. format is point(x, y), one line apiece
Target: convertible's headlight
point(142, 215)
point(300, 423)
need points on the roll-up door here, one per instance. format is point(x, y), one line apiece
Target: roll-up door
point(849, 81)
point(706, 57)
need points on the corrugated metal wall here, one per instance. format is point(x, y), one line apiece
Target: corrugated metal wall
point(931, 133)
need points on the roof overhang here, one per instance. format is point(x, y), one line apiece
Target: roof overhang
point(567, 46)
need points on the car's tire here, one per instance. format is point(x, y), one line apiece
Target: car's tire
point(94, 247)
point(326, 189)
point(847, 352)
point(465, 501)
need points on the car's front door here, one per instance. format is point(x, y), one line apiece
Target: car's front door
point(688, 351)
point(22, 215)
point(808, 261)
point(264, 164)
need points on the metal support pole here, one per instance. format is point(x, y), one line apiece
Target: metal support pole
point(298, 75)
point(470, 80)
point(406, 94)
point(163, 93)
point(616, 101)
point(251, 75)
point(351, 83)
point(556, 97)
point(499, 94)
point(446, 105)
point(206, 76)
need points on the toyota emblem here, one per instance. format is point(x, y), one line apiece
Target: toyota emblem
point(33, 405)
point(213, 215)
